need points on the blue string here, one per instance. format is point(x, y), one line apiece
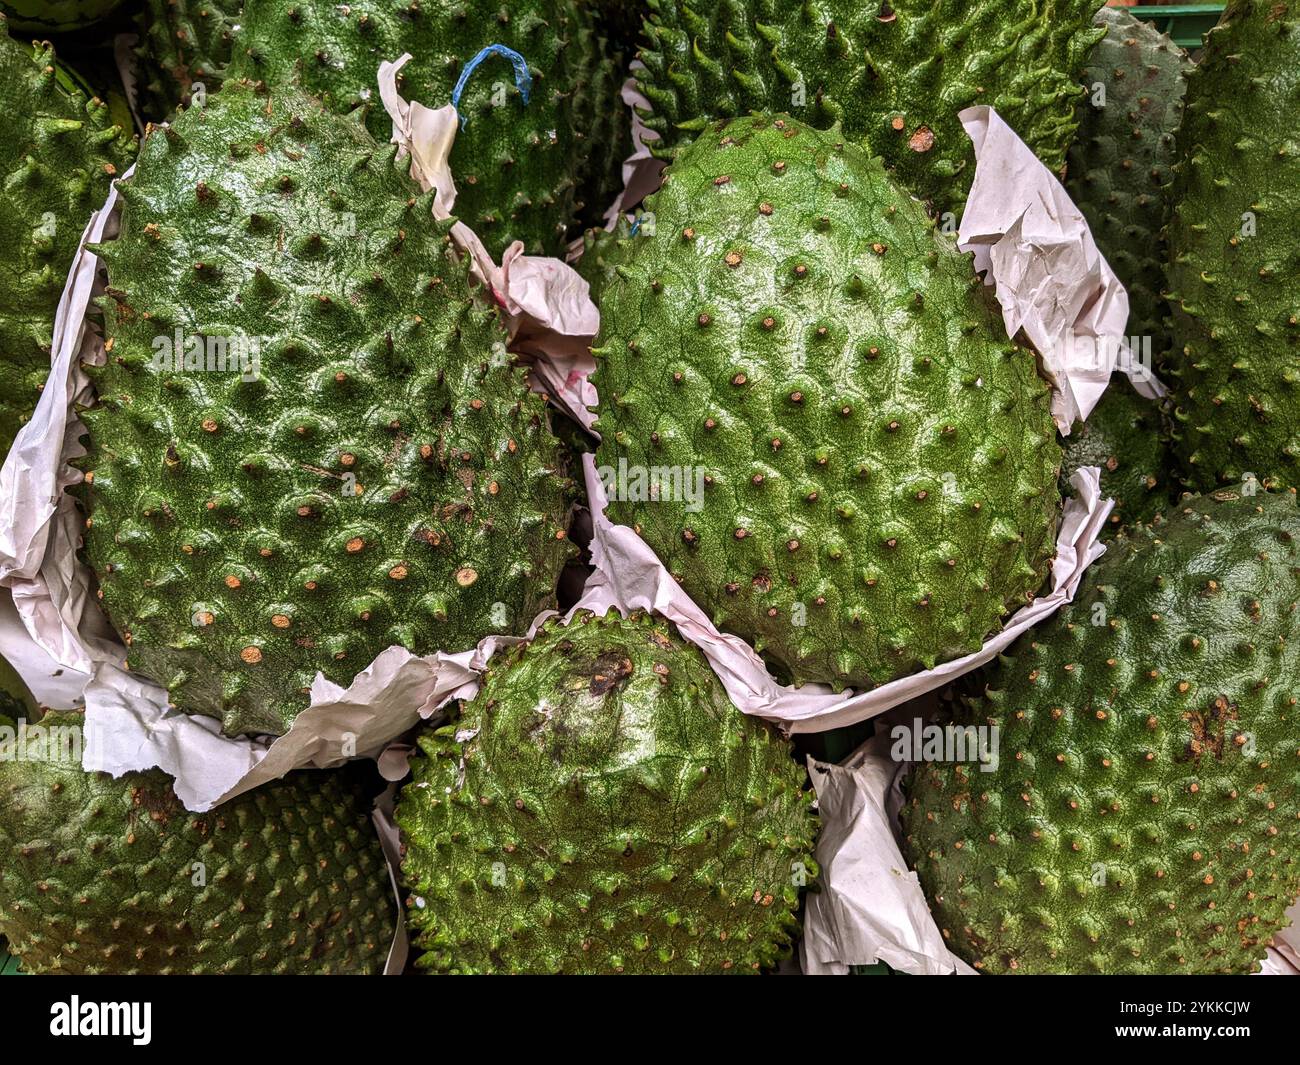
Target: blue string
point(523, 80)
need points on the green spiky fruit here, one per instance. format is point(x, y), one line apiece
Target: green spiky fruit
point(1120, 164)
point(56, 16)
point(1234, 279)
point(1125, 438)
point(876, 460)
point(895, 76)
point(114, 876)
point(379, 475)
point(602, 807)
point(1144, 814)
point(62, 155)
point(516, 164)
point(183, 43)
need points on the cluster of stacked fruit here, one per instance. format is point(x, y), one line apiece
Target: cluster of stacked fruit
point(880, 477)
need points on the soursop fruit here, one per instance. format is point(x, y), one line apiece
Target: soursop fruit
point(1126, 438)
point(894, 75)
point(310, 443)
point(56, 16)
point(602, 807)
point(518, 157)
point(62, 155)
point(183, 43)
point(1120, 165)
point(810, 410)
point(114, 876)
point(1234, 280)
point(1144, 815)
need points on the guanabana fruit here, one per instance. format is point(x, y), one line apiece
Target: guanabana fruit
point(518, 156)
point(114, 876)
point(183, 43)
point(63, 154)
point(1234, 281)
point(894, 75)
point(602, 807)
point(55, 16)
point(368, 469)
point(811, 412)
point(1120, 164)
point(1144, 814)
point(1125, 437)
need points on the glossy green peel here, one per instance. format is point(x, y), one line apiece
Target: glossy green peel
point(517, 161)
point(63, 153)
point(1120, 166)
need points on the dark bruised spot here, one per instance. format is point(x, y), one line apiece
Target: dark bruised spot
point(609, 672)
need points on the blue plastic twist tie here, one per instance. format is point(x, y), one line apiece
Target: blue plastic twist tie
point(523, 80)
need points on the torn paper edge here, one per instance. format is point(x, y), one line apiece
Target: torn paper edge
point(1050, 278)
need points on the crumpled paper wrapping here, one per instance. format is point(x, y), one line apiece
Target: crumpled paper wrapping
point(545, 302)
point(869, 906)
point(641, 170)
point(1051, 279)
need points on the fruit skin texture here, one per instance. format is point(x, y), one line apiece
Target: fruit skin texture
point(184, 42)
point(516, 165)
point(1126, 438)
point(1236, 298)
point(99, 875)
point(1148, 732)
point(16, 702)
point(601, 806)
point(62, 153)
point(1120, 164)
point(895, 83)
point(56, 16)
point(385, 478)
point(877, 458)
